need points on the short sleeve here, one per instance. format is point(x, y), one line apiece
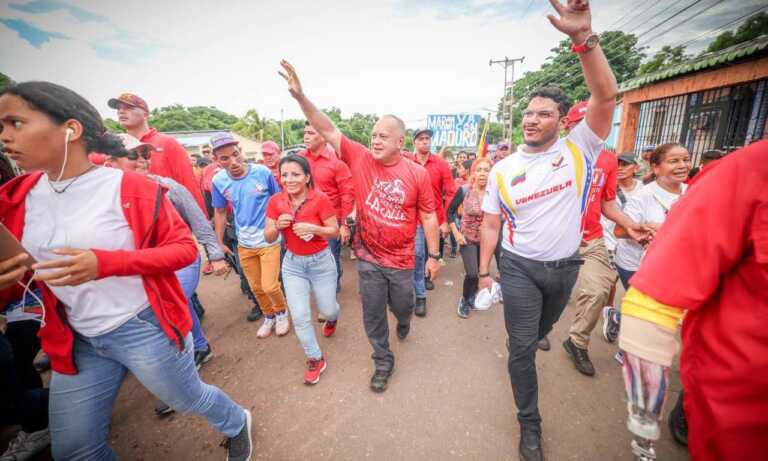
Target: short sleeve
point(611, 167)
point(491, 202)
point(352, 153)
point(635, 209)
point(586, 139)
point(272, 208)
point(426, 197)
point(217, 198)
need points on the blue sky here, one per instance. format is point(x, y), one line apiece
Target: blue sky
point(408, 57)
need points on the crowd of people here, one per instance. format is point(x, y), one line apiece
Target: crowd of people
point(99, 214)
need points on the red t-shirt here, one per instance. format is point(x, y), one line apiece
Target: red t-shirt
point(388, 199)
point(602, 188)
point(206, 183)
point(711, 258)
point(440, 177)
point(333, 178)
point(169, 159)
point(315, 210)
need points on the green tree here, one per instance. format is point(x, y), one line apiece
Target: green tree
point(180, 118)
point(754, 27)
point(562, 68)
point(4, 80)
point(113, 126)
point(666, 57)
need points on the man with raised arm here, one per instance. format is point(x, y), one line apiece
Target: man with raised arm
point(392, 194)
point(542, 192)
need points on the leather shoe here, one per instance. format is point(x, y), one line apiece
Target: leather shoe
point(530, 445)
point(580, 358)
point(543, 344)
point(255, 314)
point(379, 380)
point(420, 308)
point(403, 330)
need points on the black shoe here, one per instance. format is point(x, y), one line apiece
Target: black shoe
point(162, 409)
point(678, 425)
point(198, 306)
point(543, 344)
point(203, 356)
point(403, 330)
point(530, 445)
point(580, 358)
point(420, 308)
point(255, 314)
point(240, 447)
point(379, 380)
point(429, 284)
point(464, 309)
point(453, 254)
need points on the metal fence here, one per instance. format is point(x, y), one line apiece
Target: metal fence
point(724, 118)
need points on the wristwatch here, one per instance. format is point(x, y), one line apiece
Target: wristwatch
point(435, 257)
point(589, 44)
point(486, 274)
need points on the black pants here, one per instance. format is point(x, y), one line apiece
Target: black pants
point(535, 294)
point(380, 286)
point(23, 400)
point(470, 255)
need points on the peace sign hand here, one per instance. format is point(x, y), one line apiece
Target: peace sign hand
point(290, 76)
point(575, 19)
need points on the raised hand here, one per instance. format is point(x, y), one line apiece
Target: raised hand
point(575, 19)
point(290, 76)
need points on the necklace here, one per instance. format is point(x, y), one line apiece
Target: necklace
point(64, 189)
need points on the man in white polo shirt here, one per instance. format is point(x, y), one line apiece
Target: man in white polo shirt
point(542, 192)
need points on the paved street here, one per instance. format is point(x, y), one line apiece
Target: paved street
point(449, 398)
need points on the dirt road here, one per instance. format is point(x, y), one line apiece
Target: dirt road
point(449, 398)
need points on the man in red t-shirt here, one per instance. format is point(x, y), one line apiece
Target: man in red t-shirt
point(597, 276)
point(333, 178)
point(169, 158)
point(392, 195)
point(444, 188)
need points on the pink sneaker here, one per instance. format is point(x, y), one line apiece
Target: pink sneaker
point(329, 328)
point(314, 369)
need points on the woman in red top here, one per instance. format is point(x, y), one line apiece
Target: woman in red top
point(110, 310)
point(470, 198)
point(307, 220)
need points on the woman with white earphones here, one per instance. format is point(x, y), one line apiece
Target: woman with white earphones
point(107, 243)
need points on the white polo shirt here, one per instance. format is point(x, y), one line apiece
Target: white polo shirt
point(544, 195)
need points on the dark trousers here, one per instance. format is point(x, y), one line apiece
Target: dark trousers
point(470, 255)
point(535, 294)
point(624, 276)
point(380, 286)
point(335, 246)
point(23, 400)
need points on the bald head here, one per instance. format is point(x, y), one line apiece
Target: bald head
point(398, 124)
point(387, 139)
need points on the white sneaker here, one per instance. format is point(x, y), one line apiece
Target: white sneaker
point(27, 445)
point(266, 327)
point(283, 324)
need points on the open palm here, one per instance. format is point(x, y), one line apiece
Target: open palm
point(290, 76)
point(575, 19)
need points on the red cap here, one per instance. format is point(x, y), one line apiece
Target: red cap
point(130, 99)
point(270, 146)
point(577, 112)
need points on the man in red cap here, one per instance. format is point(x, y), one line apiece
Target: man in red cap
point(597, 276)
point(169, 159)
point(270, 152)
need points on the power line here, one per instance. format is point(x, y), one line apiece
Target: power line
point(530, 4)
point(631, 20)
point(676, 15)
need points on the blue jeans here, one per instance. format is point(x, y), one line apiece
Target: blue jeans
point(335, 247)
point(419, 284)
point(301, 274)
point(81, 405)
point(189, 277)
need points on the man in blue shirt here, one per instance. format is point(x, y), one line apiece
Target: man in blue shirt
point(247, 188)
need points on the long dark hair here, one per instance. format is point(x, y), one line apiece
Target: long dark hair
point(302, 162)
point(6, 169)
point(61, 104)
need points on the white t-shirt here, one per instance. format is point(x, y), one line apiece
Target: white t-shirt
point(650, 205)
point(543, 196)
point(608, 225)
point(88, 215)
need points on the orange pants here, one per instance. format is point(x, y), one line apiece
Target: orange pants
point(262, 268)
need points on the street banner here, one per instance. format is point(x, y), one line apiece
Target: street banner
point(454, 130)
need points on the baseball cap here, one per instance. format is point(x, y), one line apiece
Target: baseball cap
point(220, 140)
point(627, 157)
point(421, 131)
point(502, 146)
point(577, 112)
point(130, 99)
point(130, 142)
point(270, 146)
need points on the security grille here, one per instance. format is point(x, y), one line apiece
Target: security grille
point(724, 118)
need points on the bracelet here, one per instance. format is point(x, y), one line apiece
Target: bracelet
point(483, 275)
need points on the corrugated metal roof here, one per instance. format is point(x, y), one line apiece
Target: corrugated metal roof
point(705, 61)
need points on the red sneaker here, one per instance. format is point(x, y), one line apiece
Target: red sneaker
point(314, 369)
point(329, 328)
point(208, 268)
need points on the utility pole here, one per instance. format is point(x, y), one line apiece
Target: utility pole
point(282, 131)
point(507, 100)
